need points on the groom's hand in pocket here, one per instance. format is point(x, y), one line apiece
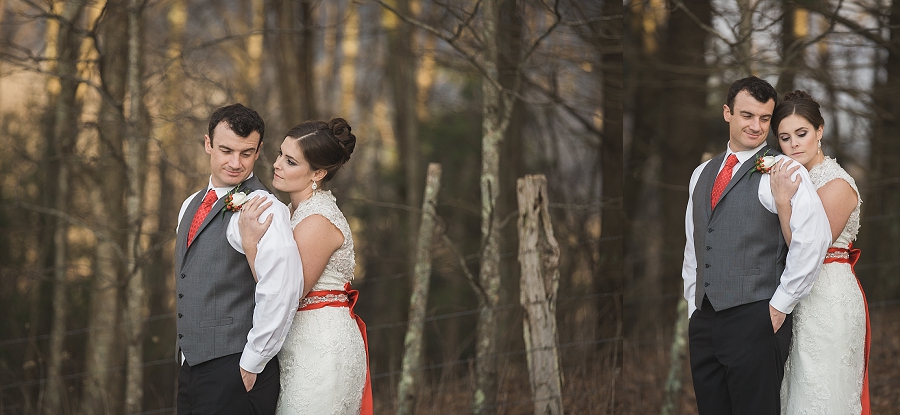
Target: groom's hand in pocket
point(248, 378)
point(777, 318)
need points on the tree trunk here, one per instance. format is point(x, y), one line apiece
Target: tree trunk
point(539, 261)
point(792, 30)
point(306, 62)
point(685, 137)
point(677, 357)
point(350, 51)
point(136, 143)
point(881, 246)
point(402, 77)
point(65, 122)
point(744, 47)
point(610, 265)
point(414, 341)
point(497, 106)
point(101, 387)
point(283, 47)
point(253, 67)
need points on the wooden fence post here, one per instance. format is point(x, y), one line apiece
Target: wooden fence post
point(539, 261)
point(418, 302)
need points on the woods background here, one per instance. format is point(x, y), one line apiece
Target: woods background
point(103, 107)
point(681, 56)
point(103, 110)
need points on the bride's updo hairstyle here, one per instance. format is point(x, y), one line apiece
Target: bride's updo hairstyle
point(325, 145)
point(800, 103)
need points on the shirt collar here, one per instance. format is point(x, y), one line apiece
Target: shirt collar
point(222, 191)
point(743, 156)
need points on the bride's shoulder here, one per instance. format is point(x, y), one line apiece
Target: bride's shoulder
point(829, 170)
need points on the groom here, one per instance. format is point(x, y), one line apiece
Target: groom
point(229, 326)
point(740, 279)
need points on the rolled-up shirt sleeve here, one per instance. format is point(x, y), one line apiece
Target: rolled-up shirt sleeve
point(810, 239)
point(280, 285)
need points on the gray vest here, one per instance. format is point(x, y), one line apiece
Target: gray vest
point(214, 286)
point(739, 247)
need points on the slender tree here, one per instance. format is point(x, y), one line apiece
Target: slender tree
point(104, 345)
point(135, 153)
point(66, 111)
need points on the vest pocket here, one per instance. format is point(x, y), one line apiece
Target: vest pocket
point(216, 323)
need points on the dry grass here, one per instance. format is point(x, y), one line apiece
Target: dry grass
point(588, 388)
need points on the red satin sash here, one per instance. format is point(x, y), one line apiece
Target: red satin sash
point(350, 302)
point(850, 256)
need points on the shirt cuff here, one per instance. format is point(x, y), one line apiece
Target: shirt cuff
point(783, 301)
point(253, 362)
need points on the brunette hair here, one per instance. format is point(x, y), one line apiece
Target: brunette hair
point(800, 103)
point(759, 89)
point(325, 145)
point(240, 119)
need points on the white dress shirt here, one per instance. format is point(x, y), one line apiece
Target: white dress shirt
point(810, 235)
point(280, 274)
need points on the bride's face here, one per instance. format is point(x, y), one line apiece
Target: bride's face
point(292, 172)
point(798, 138)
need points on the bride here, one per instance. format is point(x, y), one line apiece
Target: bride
point(324, 366)
point(826, 371)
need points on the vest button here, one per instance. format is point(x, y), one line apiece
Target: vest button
point(709, 230)
point(180, 315)
point(180, 335)
point(180, 295)
point(706, 284)
point(182, 275)
point(708, 248)
point(707, 265)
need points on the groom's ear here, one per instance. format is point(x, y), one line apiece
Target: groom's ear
point(726, 112)
point(207, 144)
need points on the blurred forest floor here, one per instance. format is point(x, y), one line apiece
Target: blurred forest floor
point(589, 387)
point(647, 364)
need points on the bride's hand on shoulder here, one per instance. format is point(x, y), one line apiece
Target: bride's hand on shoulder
point(252, 230)
point(783, 188)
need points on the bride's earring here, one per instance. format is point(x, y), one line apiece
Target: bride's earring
point(819, 150)
point(315, 186)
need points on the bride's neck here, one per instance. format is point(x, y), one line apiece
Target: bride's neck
point(818, 159)
point(299, 197)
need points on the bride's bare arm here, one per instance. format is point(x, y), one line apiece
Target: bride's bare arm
point(783, 189)
point(251, 229)
point(317, 239)
point(839, 200)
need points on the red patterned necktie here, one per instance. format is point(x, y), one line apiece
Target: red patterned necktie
point(208, 201)
point(722, 179)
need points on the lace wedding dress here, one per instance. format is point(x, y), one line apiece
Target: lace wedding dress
point(824, 370)
point(323, 360)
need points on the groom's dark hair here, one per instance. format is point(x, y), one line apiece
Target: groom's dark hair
point(759, 89)
point(240, 119)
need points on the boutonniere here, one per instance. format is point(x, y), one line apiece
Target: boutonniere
point(234, 199)
point(763, 163)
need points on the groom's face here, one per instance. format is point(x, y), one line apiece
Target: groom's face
point(231, 156)
point(748, 121)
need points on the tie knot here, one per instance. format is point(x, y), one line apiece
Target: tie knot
point(731, 161)
point(211, 197)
